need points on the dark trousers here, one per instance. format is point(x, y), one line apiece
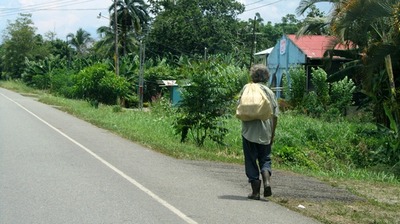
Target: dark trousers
point(257, 158)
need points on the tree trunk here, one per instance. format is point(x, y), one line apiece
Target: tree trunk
point(395, 121)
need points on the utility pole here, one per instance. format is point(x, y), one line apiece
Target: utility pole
point(67, 52)
point(141, 68)
point(254, 40)
point(116, 39)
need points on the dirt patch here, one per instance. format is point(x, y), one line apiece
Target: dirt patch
point(284, 184)
point(382, 193)
point(287, 184)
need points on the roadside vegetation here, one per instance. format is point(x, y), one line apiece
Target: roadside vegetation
point(345, 130)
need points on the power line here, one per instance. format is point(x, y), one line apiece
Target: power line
point(39, 5)
point(33, 6)
point(91, 9)
point(44, 7)
point(254, 2)
point(258, 7)
point(71, 9)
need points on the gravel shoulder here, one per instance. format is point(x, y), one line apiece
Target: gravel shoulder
point(284, 184)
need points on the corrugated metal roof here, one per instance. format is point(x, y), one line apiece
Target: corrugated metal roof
point(264, 52)
point(314, 46)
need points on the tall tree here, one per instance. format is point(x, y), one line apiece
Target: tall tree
point(190, 27)
point(158, 6)
point(289, 24)
point(20, 42)
point(132, 20)
point(81, 41)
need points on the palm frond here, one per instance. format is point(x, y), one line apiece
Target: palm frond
point(305, 4)
point(349, 69)
point(313, 25)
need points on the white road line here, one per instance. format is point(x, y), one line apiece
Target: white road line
point(128, 178)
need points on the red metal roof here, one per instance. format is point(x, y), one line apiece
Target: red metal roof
point(314, 46)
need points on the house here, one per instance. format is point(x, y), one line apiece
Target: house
point(173, 88)
point(307, 51)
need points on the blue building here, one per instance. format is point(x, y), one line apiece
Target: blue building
point(307, 51)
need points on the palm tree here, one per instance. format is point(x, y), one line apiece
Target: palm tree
point(81, 41)
point(132, 19)
point(106, 45)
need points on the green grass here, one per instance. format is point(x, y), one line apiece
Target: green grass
point(20, 87)
point(142, 126)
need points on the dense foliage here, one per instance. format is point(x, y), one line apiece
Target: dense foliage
point(341, 94)
point(373, 27)
point(206, 101)
point(295, 93)
point(20, 42)
point(193, 27)
point(325, 98)
point(98, 85)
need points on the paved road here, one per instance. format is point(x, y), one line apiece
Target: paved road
point(55, 168)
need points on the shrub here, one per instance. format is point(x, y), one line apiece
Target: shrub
point(312, 105)
point(97, 84)
point(342, 93)
point(161, 106)
point(331, 104)
point(321, 86)
point(297, 87)
point(61, 83)
point(40, 81)
point(206, 100)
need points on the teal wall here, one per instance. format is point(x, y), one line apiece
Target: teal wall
point(284, 55)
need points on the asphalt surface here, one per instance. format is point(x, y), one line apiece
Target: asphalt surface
point(55, 168)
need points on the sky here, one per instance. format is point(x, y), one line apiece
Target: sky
point(67, 16)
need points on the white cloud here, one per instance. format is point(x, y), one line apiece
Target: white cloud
point(26, 2)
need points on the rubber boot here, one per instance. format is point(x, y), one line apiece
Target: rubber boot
point(255, 186)
point(266, 180)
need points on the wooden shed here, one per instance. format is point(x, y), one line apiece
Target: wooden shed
point(307, 51)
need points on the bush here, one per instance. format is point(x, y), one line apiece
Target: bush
point(321, 86)
point(342, 93)
point(41, 81)
point(312, 105)
point(330, 104)
point(297, 87)
point(62, 83)
point(97, 84)
point(161, 106)
point(39, 73)
point(206, 100)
